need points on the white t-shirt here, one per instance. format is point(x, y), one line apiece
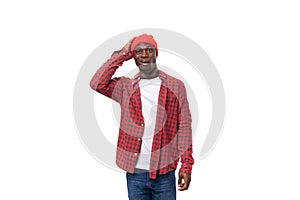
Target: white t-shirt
point(149, 89)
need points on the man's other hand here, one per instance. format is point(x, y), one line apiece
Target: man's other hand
point(182, 176)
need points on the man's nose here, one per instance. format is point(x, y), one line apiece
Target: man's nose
point(144, 53)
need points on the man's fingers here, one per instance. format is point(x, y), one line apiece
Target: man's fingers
point(186, 178)
point(187, 183)
point(128, 44)
point(180, 182)
point(179, 179)
point(184, 187)
point(132, 39)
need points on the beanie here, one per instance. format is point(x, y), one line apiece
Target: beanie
point(143, 38)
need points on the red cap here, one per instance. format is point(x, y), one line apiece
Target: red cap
point(143, 38)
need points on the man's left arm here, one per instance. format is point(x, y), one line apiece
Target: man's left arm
point(185, 147)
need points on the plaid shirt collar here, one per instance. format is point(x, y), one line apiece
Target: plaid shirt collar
point(162, 75)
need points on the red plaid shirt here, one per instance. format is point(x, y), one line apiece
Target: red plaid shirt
point(173, 133)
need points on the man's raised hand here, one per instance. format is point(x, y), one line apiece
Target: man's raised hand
point(127, 47)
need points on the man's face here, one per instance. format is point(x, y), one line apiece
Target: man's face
point(145, 57)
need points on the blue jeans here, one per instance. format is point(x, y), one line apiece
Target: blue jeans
point(141, 187)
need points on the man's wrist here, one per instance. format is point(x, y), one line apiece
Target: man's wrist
point(125, 54)
point(187, 171)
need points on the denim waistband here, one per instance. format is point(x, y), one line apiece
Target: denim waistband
point(137, 170)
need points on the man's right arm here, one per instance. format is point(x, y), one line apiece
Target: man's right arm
point(102, 81)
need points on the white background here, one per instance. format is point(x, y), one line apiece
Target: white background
point(255, 46)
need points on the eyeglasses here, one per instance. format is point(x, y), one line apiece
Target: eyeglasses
point(147, 50)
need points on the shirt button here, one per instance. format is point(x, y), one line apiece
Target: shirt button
point(139, 139)
point(135, 154)
point(142, 124)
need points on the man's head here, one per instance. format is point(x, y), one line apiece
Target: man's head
point(144, 38)
point(144, 51)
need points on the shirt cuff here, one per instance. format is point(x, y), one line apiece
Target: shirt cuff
point(125, 54)
point(186, 170)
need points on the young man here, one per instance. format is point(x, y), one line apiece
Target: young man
point(155, 128)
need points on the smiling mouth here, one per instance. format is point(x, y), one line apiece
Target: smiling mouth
point(145, 63)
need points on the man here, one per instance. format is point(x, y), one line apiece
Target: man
point(155, 127)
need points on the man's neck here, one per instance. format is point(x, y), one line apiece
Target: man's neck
point(153, 74)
